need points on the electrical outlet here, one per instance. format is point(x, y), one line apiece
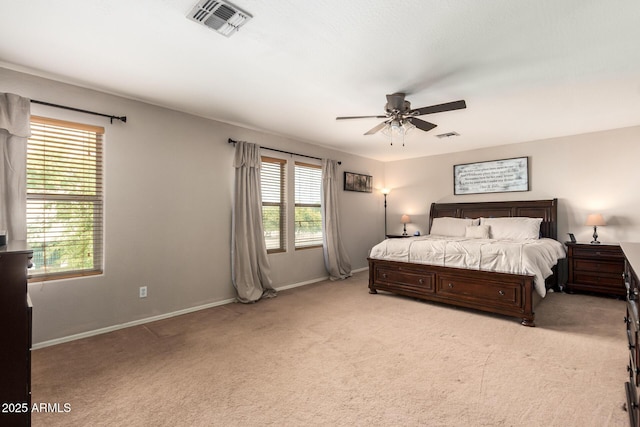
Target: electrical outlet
point(143, 291)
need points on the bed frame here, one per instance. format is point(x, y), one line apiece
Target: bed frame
point(500, 293)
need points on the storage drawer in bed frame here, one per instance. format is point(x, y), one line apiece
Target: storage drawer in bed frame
point(409, 280)
point(502, 293)
point(480, 291)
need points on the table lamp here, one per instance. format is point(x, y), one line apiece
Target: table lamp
point(405, 220)
point(595, 220)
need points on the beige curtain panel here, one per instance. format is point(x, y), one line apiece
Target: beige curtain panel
point(250, 269)
point(336, 258)
point(15, 130)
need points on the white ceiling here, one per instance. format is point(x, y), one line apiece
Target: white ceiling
point(527, 69)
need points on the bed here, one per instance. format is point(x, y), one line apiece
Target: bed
point(499, 292)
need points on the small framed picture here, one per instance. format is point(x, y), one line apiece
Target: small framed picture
point(358, 182)
point(572, 237)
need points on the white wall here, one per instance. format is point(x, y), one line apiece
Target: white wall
point(168, 194)
point(596, 172)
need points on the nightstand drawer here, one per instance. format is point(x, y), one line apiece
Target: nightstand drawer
point(598, 266)
point(594, 278)
point(598, 252)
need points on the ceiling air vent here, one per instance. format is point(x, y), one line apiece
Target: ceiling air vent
point(223, 17)
point(447, 135)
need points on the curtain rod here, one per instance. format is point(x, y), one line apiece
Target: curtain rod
point(231, 141)
point(122, 119)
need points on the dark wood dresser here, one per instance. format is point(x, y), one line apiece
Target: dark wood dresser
point(596, 268)
point(15, 335)
point(632, 285)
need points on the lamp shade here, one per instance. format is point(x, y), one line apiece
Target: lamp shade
point(405, 219)
point(595, 220)
point(407, 126)
point(385, 191)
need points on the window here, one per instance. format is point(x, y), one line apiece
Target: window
point(308, 211)
point(64, 198)
point(274, 212)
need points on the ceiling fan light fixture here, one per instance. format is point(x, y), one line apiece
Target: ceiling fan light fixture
point(396, 130)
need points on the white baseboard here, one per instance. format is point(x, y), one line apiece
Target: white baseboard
point(295, 285)
point(158, 317)
point(128, 324)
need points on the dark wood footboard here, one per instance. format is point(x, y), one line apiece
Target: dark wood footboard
point(500, 293)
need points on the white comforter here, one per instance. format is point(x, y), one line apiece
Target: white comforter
point(531, 257)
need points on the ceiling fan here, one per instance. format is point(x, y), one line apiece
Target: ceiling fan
point(400, 118)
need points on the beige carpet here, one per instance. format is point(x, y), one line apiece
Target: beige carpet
point(330, 354)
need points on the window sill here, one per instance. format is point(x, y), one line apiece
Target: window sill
point(63, 276)
point(303, 248)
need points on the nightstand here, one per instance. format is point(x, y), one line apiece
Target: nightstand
point(397, 236)
point(596, 268)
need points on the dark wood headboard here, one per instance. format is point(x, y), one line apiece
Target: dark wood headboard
point(545, 209)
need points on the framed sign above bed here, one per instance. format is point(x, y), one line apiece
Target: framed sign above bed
point(495, 176)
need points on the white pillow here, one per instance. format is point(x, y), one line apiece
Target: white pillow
point(516, 228)
point(452, 227)
point(477, 232)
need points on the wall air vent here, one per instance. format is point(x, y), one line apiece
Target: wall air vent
point(221, 16)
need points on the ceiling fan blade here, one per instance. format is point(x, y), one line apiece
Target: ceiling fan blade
point(361, 117)
point(421, 124)
point(376, 128)
point(448, 106)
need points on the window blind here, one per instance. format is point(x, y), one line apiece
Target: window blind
point(308, 211)
point(64, 198)
point(274, 212)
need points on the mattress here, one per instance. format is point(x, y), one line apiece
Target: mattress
point(534, 257)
